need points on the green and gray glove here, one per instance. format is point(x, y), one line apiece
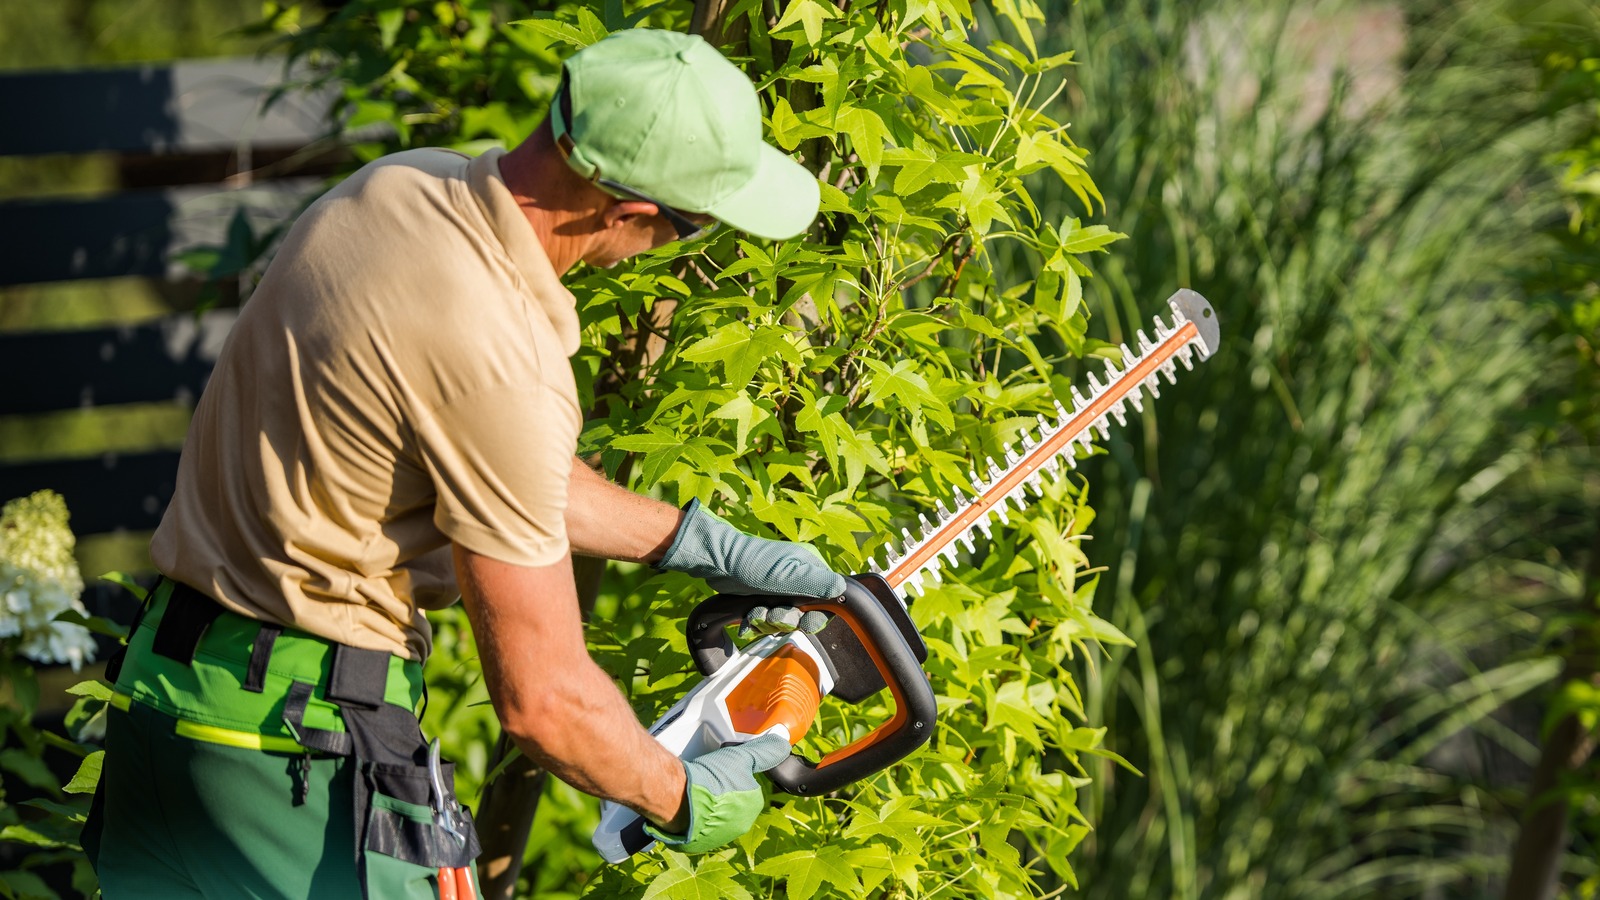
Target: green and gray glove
point(724, 797)
point(733, 562)
point(780, 620)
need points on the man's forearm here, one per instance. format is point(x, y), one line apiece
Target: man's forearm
point(607, 520)
point(589, 738)
point(553, 701)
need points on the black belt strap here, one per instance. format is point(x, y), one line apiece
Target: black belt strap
point(339, 743)
point(255, 673)
point(188, 614)
point(357, 677)
point(387, 734)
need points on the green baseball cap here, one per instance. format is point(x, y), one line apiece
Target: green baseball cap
point(668, 116)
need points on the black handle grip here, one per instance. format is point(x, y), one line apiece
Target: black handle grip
point(881, 636)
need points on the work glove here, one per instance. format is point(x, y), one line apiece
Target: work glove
point(724, 796)
point(733, 562)
point(780, 620)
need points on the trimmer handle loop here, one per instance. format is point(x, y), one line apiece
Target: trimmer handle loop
point(879, 633)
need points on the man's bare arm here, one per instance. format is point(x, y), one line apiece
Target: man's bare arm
point(609, 521)
point(557, 705)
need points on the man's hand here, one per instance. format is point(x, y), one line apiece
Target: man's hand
point(780, 620)
point(733, 562)
point(723, 797)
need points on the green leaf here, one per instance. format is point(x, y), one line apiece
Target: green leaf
point(1021, 13)
point(31, 769)
point(663, 449)
point(742, 349)
point(96, 624)
point(809, 14)
point(20, 885)
point(1009, 711)
point(88, 775)
point(789, 129)
point(900, 382)
point(95, 688)
point(867, 135)
point(804, 871)
point(75, 812)
point(711, 879)
point(24, 834)
point(898, 819)
point(128, 583)
point(980, 201)
point(587, 30)
point(1076, 239)
point(744, 413)
point(920, 168)
point(389, 22)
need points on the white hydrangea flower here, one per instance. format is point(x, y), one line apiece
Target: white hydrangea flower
point(39, 580)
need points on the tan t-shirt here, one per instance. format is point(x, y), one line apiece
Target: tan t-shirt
point(398, 381)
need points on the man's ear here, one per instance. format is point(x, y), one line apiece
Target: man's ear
point(623, 212)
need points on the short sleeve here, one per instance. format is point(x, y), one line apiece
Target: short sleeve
point(500, 460)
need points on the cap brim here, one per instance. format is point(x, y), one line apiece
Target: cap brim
point(779, 202)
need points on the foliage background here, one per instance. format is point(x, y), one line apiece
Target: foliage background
point(822, 389)
point(1351, 548)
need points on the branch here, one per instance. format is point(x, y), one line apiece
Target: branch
point(949, 243)
point(949, 284)
point(700, 273)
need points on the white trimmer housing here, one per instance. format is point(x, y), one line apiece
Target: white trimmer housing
point(702, 722)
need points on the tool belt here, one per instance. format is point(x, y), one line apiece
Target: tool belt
point(232, 680)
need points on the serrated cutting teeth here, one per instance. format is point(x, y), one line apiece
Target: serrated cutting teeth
point(1038, 453)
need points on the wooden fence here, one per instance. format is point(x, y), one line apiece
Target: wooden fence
point(193, 143)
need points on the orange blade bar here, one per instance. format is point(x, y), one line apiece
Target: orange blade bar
point(1043, 453)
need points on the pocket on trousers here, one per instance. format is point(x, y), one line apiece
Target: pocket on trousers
point(405, 846)
point(398, 838)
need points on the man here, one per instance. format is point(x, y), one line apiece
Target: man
point(394, 417)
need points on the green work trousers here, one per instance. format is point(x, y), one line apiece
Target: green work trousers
point(185, 818)
point(209, 789)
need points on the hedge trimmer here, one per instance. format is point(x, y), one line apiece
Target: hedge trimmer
point(775, 684)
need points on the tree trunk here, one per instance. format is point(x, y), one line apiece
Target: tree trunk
point(1536, 859)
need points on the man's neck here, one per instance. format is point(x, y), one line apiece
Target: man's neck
point(539, 181)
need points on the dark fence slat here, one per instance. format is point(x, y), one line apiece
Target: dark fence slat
point(115, 492)
point(182, 107)
point(135, 233)
point(129, 234)
point(168, 359)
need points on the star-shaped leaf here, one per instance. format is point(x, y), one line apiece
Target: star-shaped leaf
point(712, 879)
point(806, 870)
